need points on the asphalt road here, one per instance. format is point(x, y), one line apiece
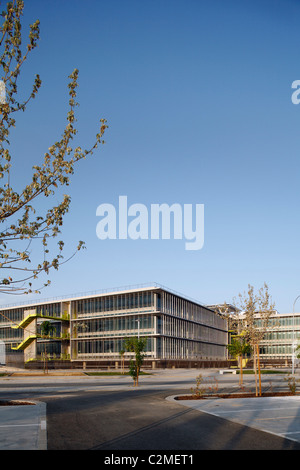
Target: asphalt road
point(140, 419)
point(109, 414)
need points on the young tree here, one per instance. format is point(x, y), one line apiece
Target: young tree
point(122, 355)
point(29, 221)
point(239, 348)
point(46, 329)
point(137, 346)
point(256, 310)
point(229, 313)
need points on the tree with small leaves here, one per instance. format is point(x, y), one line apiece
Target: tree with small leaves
point(27, 227)
point(239, 348)
point(122, 356)
point(46, 328)
point(256, 310)
point(137, 346)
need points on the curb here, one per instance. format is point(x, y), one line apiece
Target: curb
point(42, 438)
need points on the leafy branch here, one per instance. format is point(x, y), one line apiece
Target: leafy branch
point(22, 223)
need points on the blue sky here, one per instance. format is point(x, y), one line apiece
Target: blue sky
point(197, 95)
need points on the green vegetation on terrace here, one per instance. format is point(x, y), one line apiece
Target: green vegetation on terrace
point(25, 343)
point(26, 321)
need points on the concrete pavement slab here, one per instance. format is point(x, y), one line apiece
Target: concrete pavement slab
point(32, 419)
point(23, 427)
point(276, 415)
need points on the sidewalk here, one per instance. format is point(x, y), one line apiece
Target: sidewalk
point(21, 372)
point(23, 427)
point(276, 415)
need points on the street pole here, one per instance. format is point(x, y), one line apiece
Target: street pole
point(293, 345)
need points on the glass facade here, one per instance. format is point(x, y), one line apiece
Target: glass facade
point(10, 320)
point(97, 326)
point(94, 328)
point(283, 331)
point(175, 328)
point(112, 303)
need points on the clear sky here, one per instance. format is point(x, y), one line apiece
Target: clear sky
point(197, 95)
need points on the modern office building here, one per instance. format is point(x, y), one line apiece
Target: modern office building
point(91, 329)
point(282, 337)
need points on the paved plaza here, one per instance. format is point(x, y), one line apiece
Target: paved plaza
point(25, 427)
point(276, 415)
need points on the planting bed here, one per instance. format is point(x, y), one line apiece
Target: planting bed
point(14, 403)
point(236, 395)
